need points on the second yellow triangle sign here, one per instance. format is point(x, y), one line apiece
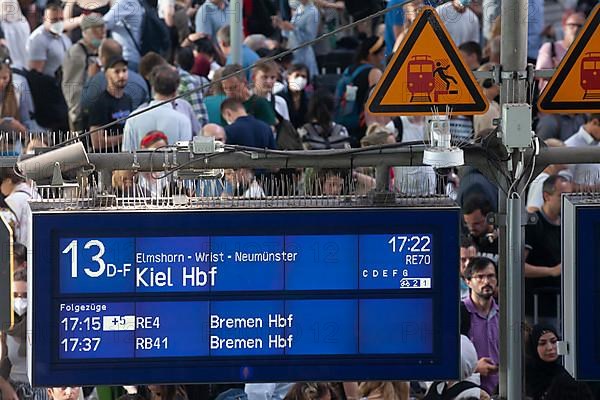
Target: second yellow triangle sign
point(426, 72)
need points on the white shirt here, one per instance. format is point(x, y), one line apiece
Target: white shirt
point(462, 27)
point(587, 174)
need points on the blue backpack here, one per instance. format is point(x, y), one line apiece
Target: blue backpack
point(348, 110)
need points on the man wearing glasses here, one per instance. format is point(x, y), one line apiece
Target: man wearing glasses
point(481, 312)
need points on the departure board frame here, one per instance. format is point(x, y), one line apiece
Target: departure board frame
point(580, 283)
point(425, 347)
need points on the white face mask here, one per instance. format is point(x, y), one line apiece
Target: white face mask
point(298, 83)
point(57, 27)
point(20, 306)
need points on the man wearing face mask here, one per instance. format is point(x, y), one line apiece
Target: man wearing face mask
point(461, 22)
point(48, 45)
point(80, 64)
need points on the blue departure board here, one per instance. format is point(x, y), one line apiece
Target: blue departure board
point(244, 296)
point(581, 283)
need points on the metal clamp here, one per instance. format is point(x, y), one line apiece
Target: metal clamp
point(512, 75)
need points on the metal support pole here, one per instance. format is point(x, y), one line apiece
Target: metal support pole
point(237, 31)
point(514, 292)
point(513, 57)
point(382, 180)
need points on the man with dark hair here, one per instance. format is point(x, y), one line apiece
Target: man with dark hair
point(236, 86)
point(481, 312)
point(485, 238)
point(112, 105)
point(136, 87)
point(244, 129)
point(471, 52)
point(176, 118)
point(467, 253)
point(148, 62)
point(543, 250)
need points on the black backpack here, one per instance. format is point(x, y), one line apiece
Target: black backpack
point(448, 393)
point(155, 33)
point(51, 110)
point(287, 136)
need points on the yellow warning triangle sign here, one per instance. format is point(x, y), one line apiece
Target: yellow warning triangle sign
point(426, 72)
point(575, 85)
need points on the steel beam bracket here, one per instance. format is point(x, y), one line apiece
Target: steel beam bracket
point(514, 75)
point(498, 219)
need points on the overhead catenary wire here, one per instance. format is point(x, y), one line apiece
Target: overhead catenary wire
point(241, 71)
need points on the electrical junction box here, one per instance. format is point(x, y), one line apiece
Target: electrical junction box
point(203, 145)
point(516, 125)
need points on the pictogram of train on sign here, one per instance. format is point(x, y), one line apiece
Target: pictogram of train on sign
point(426, 77)
point(590, 75)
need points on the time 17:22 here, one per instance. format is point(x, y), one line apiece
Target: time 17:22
point(411, 243)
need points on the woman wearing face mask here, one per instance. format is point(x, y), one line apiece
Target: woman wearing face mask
point(14, 383)
point(295, 95)
point(542, 366)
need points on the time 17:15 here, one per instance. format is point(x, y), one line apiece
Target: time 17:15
point(76, 323)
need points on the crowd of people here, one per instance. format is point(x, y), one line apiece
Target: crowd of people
point(133, 75)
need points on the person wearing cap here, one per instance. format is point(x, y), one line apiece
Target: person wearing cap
point(136, 88)
point(112, 105)
point(47, 45)
point(80, 64)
